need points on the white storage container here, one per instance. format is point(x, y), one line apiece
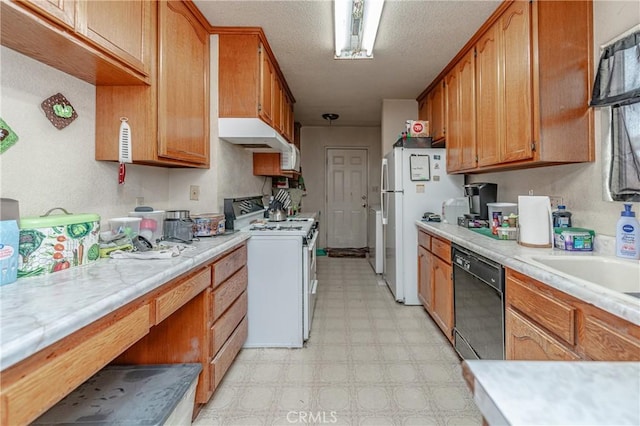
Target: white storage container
point(152, 224)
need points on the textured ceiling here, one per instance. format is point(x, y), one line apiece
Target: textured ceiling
point(416, 40)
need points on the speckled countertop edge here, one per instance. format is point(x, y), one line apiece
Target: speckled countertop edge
point(507, 253)
point(37, 312)
point(529, 392)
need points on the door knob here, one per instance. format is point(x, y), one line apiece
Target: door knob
point(364, 205)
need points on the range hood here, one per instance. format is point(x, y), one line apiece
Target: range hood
point(253, 133)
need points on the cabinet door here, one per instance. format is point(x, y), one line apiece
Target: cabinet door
point(61, 11)
point(454, 154)
point(442, 295)
point(526, 341)
point(183, 92)
point(467, 98)
point(515, 29)
point(277, 105)
point(489, 100)
point(423, 109)
point(436, 100)
point(266, 88)
point(123, 28)
point(425, 290)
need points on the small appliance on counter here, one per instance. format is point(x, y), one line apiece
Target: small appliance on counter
point(208, 224)
point(178, 226)
point(479, 195)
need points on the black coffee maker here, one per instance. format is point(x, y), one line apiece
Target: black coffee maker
point(479, 194)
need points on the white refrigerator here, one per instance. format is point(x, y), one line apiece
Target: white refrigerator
point(413, 181)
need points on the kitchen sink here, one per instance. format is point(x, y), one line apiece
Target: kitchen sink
point(615, 274)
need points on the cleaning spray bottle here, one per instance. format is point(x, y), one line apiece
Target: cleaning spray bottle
point(628, 234)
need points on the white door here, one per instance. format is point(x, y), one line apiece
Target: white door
point(347, 198)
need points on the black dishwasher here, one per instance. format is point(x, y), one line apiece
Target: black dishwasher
point(478, 297)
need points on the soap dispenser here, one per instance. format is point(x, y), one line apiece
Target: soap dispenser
point(628, 234)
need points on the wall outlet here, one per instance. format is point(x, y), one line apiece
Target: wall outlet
point(555, 201)
point(194, 192)
point(139, 201)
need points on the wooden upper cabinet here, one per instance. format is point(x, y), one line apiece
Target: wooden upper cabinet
point(436, 112)
point(266, 89)
point(277, 106)
point(454, 149)
point(183, 103)
point(251, 84)
point(533, 75)
point(431, 108)
point(515, 89)
point(460, 95)
point(169, 120)
point(100, 42)
point(467, 96)
point(120, 27)
point(60, 11)
point(489, 107)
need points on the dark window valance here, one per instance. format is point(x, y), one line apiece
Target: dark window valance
point(618, 79)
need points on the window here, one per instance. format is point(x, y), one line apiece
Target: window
point(617, 87)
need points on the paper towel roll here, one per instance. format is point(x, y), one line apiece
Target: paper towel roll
point(535, 221)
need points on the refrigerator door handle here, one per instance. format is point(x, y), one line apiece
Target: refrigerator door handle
point(384, 184)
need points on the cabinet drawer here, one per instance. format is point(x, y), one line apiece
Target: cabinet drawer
point(62, 369)
point(224, 295)
point(225, 325)
point(602, 342)
point(424, 240)
point(227, 354)
point(228, 265)
point(551, 313)
point(526, 341)
point(171, 301)
point(442, 249)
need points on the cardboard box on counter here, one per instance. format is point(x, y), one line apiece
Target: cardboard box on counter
point(417, 128)
point(574, 239)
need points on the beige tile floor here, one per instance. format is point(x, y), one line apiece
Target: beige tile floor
point(369, 361)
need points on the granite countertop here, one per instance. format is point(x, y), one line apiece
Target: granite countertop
point(556, 393)
point(38, 311)
point(510, 254)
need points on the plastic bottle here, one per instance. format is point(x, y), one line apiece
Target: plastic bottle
point(9, 240)
point(628, 234)
point(561, 217)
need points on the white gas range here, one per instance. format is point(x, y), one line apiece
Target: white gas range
point(281, 262)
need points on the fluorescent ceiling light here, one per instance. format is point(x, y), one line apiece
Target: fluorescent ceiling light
point(356, 25)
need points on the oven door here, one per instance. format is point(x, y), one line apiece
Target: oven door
point(310, 282)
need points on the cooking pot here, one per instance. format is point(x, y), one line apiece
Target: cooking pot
point(277, 215)
point(177, 214)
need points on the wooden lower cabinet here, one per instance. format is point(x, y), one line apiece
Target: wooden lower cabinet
point(34, 385)
point(187, 320)
point(435, 285)
point(525, 340)
point(542, 323)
